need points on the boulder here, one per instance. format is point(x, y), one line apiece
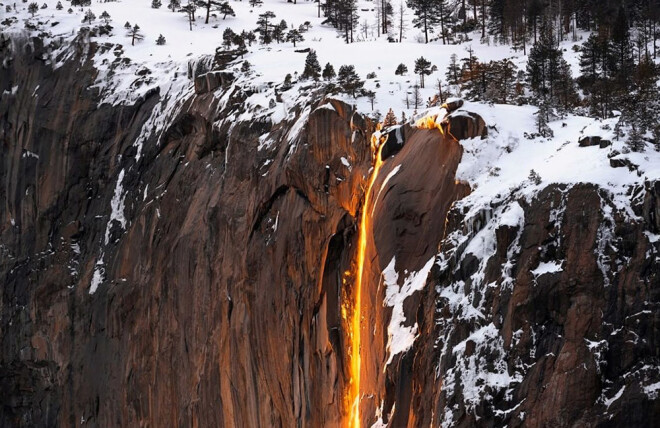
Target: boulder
point(623, 162)
point(589, 141)
point(463, 125)
point(453, 105)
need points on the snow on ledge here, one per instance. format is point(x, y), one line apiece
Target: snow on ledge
point(399, 337)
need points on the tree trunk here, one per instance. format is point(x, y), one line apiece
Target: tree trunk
point(442, 23)
point(483, 19)
point(208, 11)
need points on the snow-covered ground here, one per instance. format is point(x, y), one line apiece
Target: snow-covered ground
point(271, 63)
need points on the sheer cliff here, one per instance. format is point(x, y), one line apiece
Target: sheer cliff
point(185, 260)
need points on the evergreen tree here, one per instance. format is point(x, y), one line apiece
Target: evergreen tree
point(228, 36)
point(426, 15)
point(105, 16)
point(542, 119)
point(635, 140)
point(453, 70)
point(423, 68)
point(390, 119)
point(226, 9)
point(249, 37)
point(59, 6)
point(277, 34)
point(256, 3)
point(174, 5)
point(33, 8)
point(135, 34)
point(348, 80)
point(160, 41)
point(545, 67)
point(156, 4)
point(621, 58)
point(294, 36)
point(312, 67)
point(209, 6)
point(371, 96)
point(89, 16)
point(386, 15)
point(189, 9)
point(501, 76)
point(264, 23)
point(592, 61)
point(328, 72)
point(401, 69)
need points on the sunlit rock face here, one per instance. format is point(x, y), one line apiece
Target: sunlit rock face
point(198, 283)
point(190, 264)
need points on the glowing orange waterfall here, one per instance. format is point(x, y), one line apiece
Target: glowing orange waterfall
point(355, 325)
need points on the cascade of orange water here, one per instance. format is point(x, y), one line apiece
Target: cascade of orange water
point(355, 334)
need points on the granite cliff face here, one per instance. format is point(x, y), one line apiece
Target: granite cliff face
point(191, 271)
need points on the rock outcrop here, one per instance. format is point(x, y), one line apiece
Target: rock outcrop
point(214, 259)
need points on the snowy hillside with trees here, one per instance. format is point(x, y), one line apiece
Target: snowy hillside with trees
point(307, 213)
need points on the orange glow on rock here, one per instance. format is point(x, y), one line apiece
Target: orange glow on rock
point(353, 396)
point(429, 122)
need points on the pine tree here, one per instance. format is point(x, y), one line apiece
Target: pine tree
point(635, 140)
point(542, 119)
point(277, 34)
point(401, 20)
point(294, 36)
point(423, 68)
point(156, 4)
point(386, 15)
point(189, 9)
point(390, 119)
point(105, 16)
point(59, 6)
point(160, 41)
point(500, 76)
point(256, 3)
point(621, 58)
point(545, 67)
point(426, 15)
point(328, 72)
point(135, 34)
point(371, 96)
point(348, 80)
point(453, 71)
point(174, 5)
point(592, 61)
point(312, 67)
point(416, 98)
point(226, 9)
point(401, 69)
point(89, 16)
point(33, 8)
point(228, 37)
point(264, 23)
point(249, 37)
